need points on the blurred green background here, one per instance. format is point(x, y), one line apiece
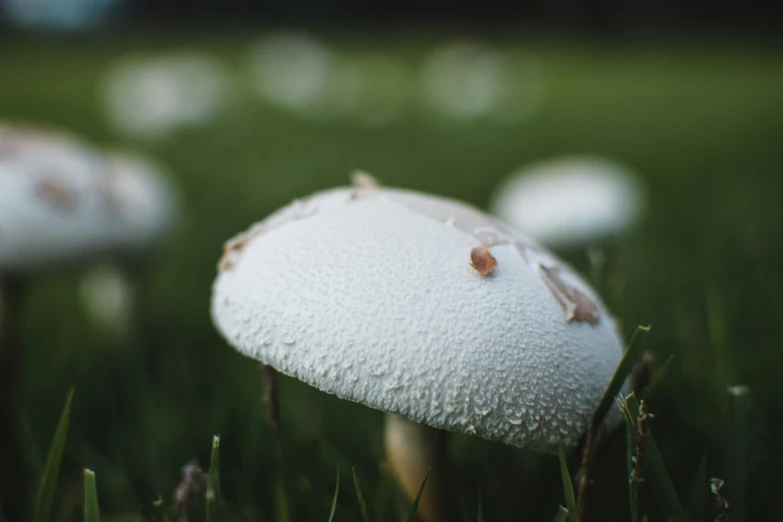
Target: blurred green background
point(702, 122)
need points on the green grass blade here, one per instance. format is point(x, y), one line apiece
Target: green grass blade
point(214, 498)
point(561, 515)
point(480, 508)
point(48, 485)
point(282, 513)
point(739, 403)
point(630, 444)
point(568, 487)
point(657, 378)
point(633, 353)
point(334, 499)
point(92, 512)
point(655, 471)
point(698, 491)
point(415, 506)
point(362, 503)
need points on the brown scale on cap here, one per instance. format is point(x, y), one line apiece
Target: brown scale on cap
point(361, 179)
point(578, 306)
point(482, 261)
point(57, 194)
point(234, 245)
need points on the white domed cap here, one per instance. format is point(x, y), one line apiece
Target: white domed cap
point(154, 97)
point(61, 202)
point(570, 201)
point(294, 71)
point(424, 307)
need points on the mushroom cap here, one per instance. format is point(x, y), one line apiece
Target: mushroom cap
point(153, 97)
point(61, 202)
point(423, 307)
point(294, 71)
point(571, 201)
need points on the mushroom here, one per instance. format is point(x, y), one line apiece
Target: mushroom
point(571, 201)
point(372, 294)
point(294, 72)
point(58, 15)
point(152, 98)
point(466, 80)
point(63, 204)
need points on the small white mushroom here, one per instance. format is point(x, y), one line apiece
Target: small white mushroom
point(61, 205)
point(465, 80)
point(570, 201)
point(70, 15)
point(294, 72)
point(153, 97)
point(64, 204)
point(373, 294)
point(107, 297)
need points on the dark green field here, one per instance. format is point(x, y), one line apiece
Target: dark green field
point(702, 122)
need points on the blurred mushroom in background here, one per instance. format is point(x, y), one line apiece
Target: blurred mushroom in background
point(58, 15)
point(465, 80)
point(294, 72)
point(572, 201)
point(63, 205)
point(154, 97)
point(424, 308)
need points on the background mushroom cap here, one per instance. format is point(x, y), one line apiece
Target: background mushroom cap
point(570, 201)
point(369, 293)
point(62, 202)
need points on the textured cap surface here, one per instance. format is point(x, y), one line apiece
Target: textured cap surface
point(62, 202)
point(570, 201)
point(391, 298)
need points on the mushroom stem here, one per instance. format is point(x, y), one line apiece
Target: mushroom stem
point(584, 472)
point(11, 363)
point(11, 368)
point(271, 395)
point(412, 450)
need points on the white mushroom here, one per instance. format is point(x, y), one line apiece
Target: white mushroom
point(423, 307)
point(107, 297)
point(154, 97)
point(64, 204)
point(464, 80)
point(61, 205)
point(294, 72)
point(571, 201)
point(58, 14)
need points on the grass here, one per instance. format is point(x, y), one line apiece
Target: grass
point(697, 119)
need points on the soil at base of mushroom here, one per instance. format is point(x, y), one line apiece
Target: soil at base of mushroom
point(13, 483)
